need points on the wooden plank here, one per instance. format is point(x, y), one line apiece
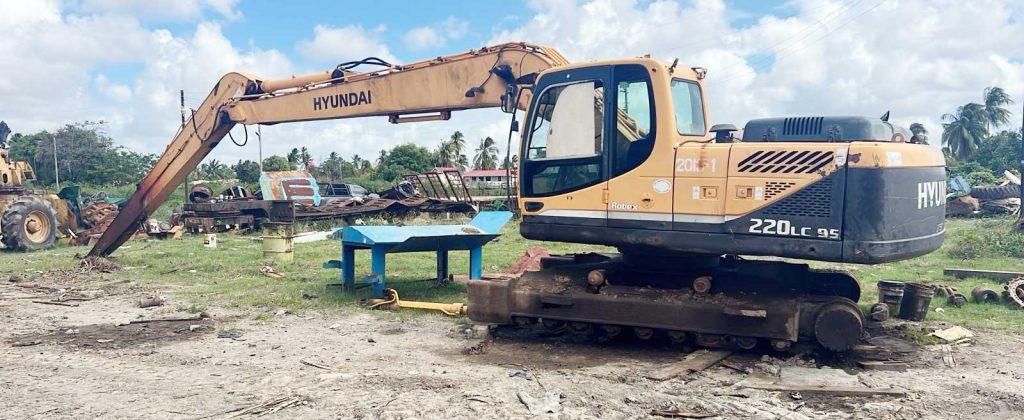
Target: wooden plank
point(888, 365)
point(984, 274)
point(847, 391)
point(693, 362)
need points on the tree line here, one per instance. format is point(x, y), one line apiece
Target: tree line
point(389, 166)
point(85, 155)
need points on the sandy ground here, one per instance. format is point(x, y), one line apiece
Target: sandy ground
point(63, 361)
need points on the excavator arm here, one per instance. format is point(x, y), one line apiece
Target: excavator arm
point(421, 91)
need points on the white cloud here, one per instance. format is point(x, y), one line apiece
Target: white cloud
point(435, 36)
point(335, 45)
point(163, 10)
point(114, 91)
point(917, 58)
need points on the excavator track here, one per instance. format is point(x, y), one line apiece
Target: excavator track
point(709, 301)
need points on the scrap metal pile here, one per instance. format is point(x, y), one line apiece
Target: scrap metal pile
point(983, 200)
point(287, 196)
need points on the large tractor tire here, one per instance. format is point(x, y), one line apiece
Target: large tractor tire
point(995, 192)
point(28, 224)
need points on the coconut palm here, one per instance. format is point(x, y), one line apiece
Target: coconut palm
point(486, 154)
point(963, 131)
point(920, 133)
point(995, 113)
point(445, 156)
point(458, 146)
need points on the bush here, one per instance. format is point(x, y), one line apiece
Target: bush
point(981, 177)
point(997, 241)
point(967, 246)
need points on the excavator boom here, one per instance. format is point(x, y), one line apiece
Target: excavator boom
point(421, 91)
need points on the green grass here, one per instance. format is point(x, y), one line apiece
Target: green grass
point(229, 276)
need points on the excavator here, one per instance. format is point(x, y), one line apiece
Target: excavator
point(621, 153)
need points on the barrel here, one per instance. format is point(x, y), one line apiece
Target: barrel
point(916, 298)
point(891, 294)
point(277, 241)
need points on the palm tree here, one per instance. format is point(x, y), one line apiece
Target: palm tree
point(963, 131)
point(445, 157)
point(457, 143)
point(305, 158)
point(920, 133)
point(995, 114)
point(486, 154)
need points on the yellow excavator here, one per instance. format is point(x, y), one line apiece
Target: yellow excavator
point(621, 153)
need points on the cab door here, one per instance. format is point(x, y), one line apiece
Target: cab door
point(639, 194)
point(564, 164)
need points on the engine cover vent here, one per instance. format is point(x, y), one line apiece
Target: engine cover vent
point(813, 201)
point(802, 126)
point(786, 162)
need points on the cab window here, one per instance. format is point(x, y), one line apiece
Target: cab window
point(634, 137)
point(689, 108)
point(566, 138)
point(568, 122)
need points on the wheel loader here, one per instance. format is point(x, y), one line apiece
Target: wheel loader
point(28, 221)
point(622, 153)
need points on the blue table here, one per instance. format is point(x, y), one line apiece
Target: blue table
point(383, 240)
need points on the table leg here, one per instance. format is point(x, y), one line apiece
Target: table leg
point(442, 266)
point(476, 256)
point(348, 267)
point(378, 270)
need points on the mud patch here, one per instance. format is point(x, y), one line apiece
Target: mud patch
point(110, 336)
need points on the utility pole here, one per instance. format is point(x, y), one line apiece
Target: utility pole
point(1020, 168)
point(259, 141)
point(185, 187)
point(56, 171)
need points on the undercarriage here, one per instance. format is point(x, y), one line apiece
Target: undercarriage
point(711, 301)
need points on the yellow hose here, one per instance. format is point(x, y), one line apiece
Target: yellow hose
point(451, 309)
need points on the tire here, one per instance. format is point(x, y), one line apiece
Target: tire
point(28, 224)
point(995, 192)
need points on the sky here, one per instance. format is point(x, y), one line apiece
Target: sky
point(124, 61)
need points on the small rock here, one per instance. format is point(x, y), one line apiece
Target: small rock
point(308, 295)
point(281, 312)
point(516, 373)
point(334, 326)
point(370, 340)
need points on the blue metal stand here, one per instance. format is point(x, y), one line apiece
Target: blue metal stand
point(382, 240)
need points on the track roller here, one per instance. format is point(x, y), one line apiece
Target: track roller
point(581, 328)
point(643, 333)
point(838, 326)
point(746, 343)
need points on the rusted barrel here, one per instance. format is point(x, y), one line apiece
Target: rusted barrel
point(916, 299)
point(891, 294)
point(277, 241)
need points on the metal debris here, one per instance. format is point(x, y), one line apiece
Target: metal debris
point(984, 294)
point(1014, 292)
point(682, 414)
point(152, 300)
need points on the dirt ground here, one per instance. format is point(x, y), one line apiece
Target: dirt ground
point(89, 361)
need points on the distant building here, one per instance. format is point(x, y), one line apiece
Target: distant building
point(487, 178)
